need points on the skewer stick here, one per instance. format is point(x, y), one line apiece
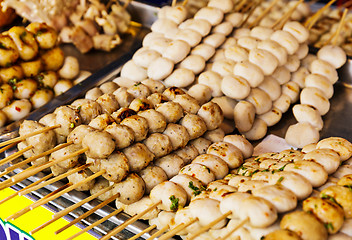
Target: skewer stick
point(346, 4)
point(55, 179)
point(177, 229)
point(184, 3)
point(342, 22)
point(158, 233)
point(8, 147)
point(249, 6)
point(30, 172)
point(15, 155)
point(21, 138)
point(96, 223)
point(312, 20)
point(31, 159)
point(264, 13)
point(86, 214)
point(54, 196)
point(173, 4)
point(129, 221)
point(64, 212)
point(250, 12)
point(144, 231)
point(240, 5)
point(23, 189)
point(234, 229)
point(287, 16)
point(208, 226)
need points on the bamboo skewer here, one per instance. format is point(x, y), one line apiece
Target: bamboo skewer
point(31, 159)
point(158, 233)
point(249, 6)
point(54, 196)
point(14, 156)
point(234, 229)
point(129, 221)
point(342, 22)
point(312, 20)
point(173, 4)
point(24, 189)
point(8, 147)
point(95, 224)
point(21, 138)
point(208, 226)
point(264, 13)
point(64, 212)
point(142, 232)
point(287, 16)
point(55, 179)
point(240, 5)
point(250, 12)
point(177, 229)
point(86, 214)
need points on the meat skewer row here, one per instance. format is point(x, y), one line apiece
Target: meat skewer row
point(289, 198)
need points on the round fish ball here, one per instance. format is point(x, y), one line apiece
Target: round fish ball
point(301, 134)
point(159, 44)
point(181, 77)
point(199, 171)
point(212, 80)
point(144, 56)
point(266, 61)
point(219, 55)
point(215, 135)
point(302, 51)
point(286, 40)
point(236, 53)
point(152, 176)
point(223, 28)
point(177, 13)
point(171, 92)
point(108, 87)
point(292, 90)
point(328, 158)
point(325, 69)
point(130, 190)
point(241, 143)
point(160, 68)
point(260, 100)
point(282, 103)
point(226, 104)
point(299, 76)
point(262, 33)
point(164, 26)
point(171, 164)
point(249, 71)
point(271, 87)
point(200, 92)
point(156, 121)
point(17, 110)
point(177, 50)
point(211, 14)
point(138, 156)
point(138, 124)
point(188, 183)
point(134, 72)
point(215, 39)
point(339, 145)
point(235, 87)
point(241, 32)
point(258, 130)
point(62, 86)
point(201, 26)
point(247, 42)
point(124, 82)
point(224, 5)
point(214, 163)
point(195, 63)
point(275, 49)
point(201, 144)
point(41, 97)
point(292, 63)
point(189, 36)
point(211, 114)
point(272, 117)
point(189, 104)
point(300, 32)
point(332, 54)
point(320, 82)
point(204, 50)
point(305, 113)
point(149, 38)
point(244, 114)
point(282, 75)
point(123, 97)
point(154, 86)
point(316, 98)
point(224, 67)
point(99, 144)
point(235, 18)
point(159, 144)
point(227, 152)
point(116, 167)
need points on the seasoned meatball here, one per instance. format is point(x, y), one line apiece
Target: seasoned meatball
point(138, 156)
point(156, 121)
point(131, 189)
point(152, 176)
point(101, 122)
point(201, 144)
point(122, 135)
point(157, 98)
point(77, 134)
point(139, 90)
point(211, 114)
point(178, 135)
point(342, 195)
point(140, 104)
point(116, 167)
point(100, 184)
point(188, 153)
point(171, 164)
point(159, 144)
point(188, 103)
point(68, 118)
point(99, 144)
point(88, 110)
point(68, 163)
point(139, 125)
point(227, 152)
point(194, 124)
point(171, 195)
point(172, 111)
point(171, 92)
point(80, 176)
point(108, 103)
point(123, 97)
point(122, 113)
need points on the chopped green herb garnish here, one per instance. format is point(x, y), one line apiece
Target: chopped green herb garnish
point(329, 226)
point(280, 180)
point(72, 125)
point(196, 190)
point(79, 108)
point(283, 167)
point(174, 203)
point(23, 34)
point(325, 196)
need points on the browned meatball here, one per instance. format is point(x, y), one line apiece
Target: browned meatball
point(116, 167)
point(139, 125)
point(138, 156)
point(178, 135)
point(122, 135)
point(159, 144)
point(156, 121)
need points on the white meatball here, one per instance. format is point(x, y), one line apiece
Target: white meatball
point(227, 152)
point(189, 36)
point(139, 125)
point(177, 13)
point(266, 61)
point(188, 153)
point(250, 185)
point(320, 82)
point(236, 53)
point(215, 135)
point(171, 195)
point(325, 69)
point(226, 104)
point(138, 156)
point(332, 54)
point(224, 5)
point(271, 86)
point(204, 50)
point(145, 56)
point(241, 143)
point(41, 97)
point(328, 158)
point(100, 144)
point(224, 67)
point(164, 26)
point(249, 71)
point(300, 32)
point(211, 114)
point(215, 39)
point(282, 75)
point(171, 164)
point(78, 133)
point(213, 81)
point(160, 68)
point(214, 163)
point(156, 121)
point(262, 33)
point(258, 130)
point(286, 40)
point(130, 190)
point(292, 90)
point(339, 145)
point(260, 100)
point(247, 42)
point(305, 113)
point(272, 117)
point(134, 72)
point(17, 110)
point(201, 144)
point(139, 206)
point(149, 38)
point(199, 171)
point(244, 114)
point(191, 185)
point(123, 97)
point(275, 49)
point(315, 98)
point(159, 144)
point(299, 76)
point(154, 85)
point(232, 203)
point(301, 134)
point(211, 14)
point(181, 77)
point(223, 28)
point(171, 111)
point(194, 124)
point(152, 176)
point(178, 135)
point(292, 63)
point(200, 92)
point(302, 51)
point(282, 103)
point(195, 63)
point(177, 50)
point(202, 26)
